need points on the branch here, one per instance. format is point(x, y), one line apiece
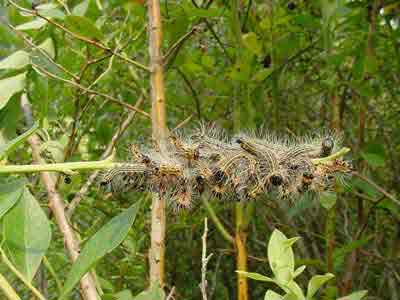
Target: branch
point(192, 90)
point(160, 134)
point(80, 37)
point(17, 273)
point(377, 187)
point(67, 168)
point(177, 45)
point(78, 197)
point(56, 205)
point(93, 92)
point(204, 261)
point(8, 289)
point(330, 158)
point(225, 234)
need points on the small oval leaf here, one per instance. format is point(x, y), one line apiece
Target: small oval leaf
point(10, 193)
point(27, 234)
point(316, 282)
point(17, 60)
point(10, 86)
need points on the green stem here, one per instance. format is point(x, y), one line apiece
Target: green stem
point(49, 267)
point(330, 158)
point(20, 275)
point(67, 168)
point(8, 289)
point(221, 228)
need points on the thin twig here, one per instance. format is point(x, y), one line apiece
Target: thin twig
point(184, 122)
point(204, 261)
point(93, 92)
point(377, 187)
point(56, 205)
point(43, 52)
point(171, 294)
point(17, 273)
point(84, 189)
point(178, 44)
point(80, 37)
point(7, 289)
point(221, 228)
point(192, 90)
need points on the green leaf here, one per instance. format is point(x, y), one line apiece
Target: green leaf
point(251, 42)
point(280, 256)
point(290, 296)
point(298, 271)
point(27, 234)
point(11, 145)
point(203, 13)
point(340, 252)
point(271, 295)
point(10, 193)
point(316, 282)
point(293, 288)
point(103, 242)
point(374, 154)
point(17, 60)
point(83, 26)
point(255, 276)
point(47, 6)
point(10, 86)
point(123, 295)
point(154, 293)
point(32, 25)
point(328, 200)
point(355, 296)
point(81, 8)
point(48, 46)
point(262, 75)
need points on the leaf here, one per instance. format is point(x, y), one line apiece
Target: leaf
point(17, 60)
point(154, 293)
point(280, 256)
point(328, 200)
point(103, 242)
point(251, 42)
point(262, 75)
point(48, 46)
point(32, 25)
point(27, 234)
point(83, 26)
point(10, 193)
point(298, 271)
point(81, 8)
point(355, 296)
point(316, 282)
point(293, 288)
point(55, 150)
point(11, 145)
point(256, 276)
point(123, 295)
point(374, 154)
point(271, 295)
point(46, 6)
point(340, 253)
point(10, 86)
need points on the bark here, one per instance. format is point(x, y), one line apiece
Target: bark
point(160, 131)
point(56, 205)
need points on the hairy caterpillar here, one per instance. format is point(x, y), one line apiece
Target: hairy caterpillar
point(240, 168)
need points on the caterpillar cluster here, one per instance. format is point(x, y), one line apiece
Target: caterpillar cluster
point(238, 168)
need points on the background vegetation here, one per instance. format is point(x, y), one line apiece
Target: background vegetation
point(294, 67)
